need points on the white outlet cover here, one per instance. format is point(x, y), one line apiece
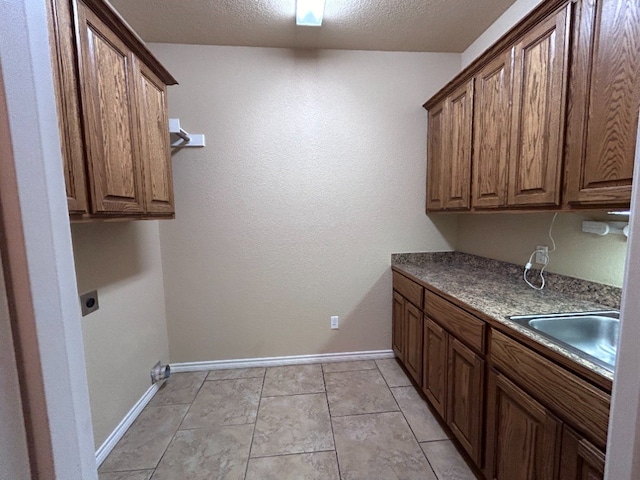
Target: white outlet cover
point(542, 258)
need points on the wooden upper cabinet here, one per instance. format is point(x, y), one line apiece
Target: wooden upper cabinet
point(112, 110)
point(108, 94)
point(555, 114)
point(449, 151)
point(523, 437)
point(457, 176)
point(492, 112)
point(604, 102)
point(154, 141)
point(437, 146)
point(541, 59)
point(65, 78)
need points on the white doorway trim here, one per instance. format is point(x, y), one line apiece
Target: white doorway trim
point(39, 214)
point(623, 447)
point(15, 460)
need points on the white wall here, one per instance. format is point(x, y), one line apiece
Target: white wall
point(127, 335)
point(512, 237)
point(508, 19)
point(312, 176)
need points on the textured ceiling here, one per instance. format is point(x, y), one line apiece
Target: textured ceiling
point(400, 25)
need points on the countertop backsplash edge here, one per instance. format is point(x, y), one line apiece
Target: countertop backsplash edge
point(606, 295)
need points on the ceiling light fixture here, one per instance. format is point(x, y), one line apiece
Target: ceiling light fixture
point(309, 12)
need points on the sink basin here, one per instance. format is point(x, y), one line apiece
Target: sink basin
point(593, 335)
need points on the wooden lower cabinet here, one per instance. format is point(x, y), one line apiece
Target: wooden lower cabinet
point(413, 341)
point(407, 324)
point(434, 369)
point(453, 381)
point(523, 437)
point(579, 459)
point(509, 410)
point(398, 331)
point(407, 335)
point(465, 378)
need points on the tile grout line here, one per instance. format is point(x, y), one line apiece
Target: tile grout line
point(293, 394)
point(333, 433)
point(367, 413)
point(405, 419)
point(303, 452)
point(253, 433)
point(215, 425)
point(173, 436)
point(353, 370)
point(227, 379)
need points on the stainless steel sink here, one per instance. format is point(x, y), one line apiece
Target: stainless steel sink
point(593, 335)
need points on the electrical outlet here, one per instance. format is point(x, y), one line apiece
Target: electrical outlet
point(335, 322)
point(542, 254)
point(89, 302)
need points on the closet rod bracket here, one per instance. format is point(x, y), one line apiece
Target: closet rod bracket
point(184, 138)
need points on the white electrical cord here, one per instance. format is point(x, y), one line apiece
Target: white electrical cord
point(528, 265)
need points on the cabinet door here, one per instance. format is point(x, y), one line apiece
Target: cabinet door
point(579, 459)
point(434, 378)
point(491, 122)
point(457, 166)
point(154, 141)
point(465, 379)
point(604, 102)
point(398, 325)
point(108, 98)
point(65, 76)
point(413, 341)
point(522, 435)
point(437, 146)
point(537, 121)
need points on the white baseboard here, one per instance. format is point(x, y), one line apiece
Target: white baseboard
point(279, 361)
point(105, 449)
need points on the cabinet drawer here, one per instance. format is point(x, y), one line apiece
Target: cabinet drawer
point(578, 402)
point(408, 289)
point(464, 326)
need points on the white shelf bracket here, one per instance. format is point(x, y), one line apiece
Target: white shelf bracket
point(181, 138)
point(606, 228)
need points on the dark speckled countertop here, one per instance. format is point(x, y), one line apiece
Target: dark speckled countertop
point(496, 289)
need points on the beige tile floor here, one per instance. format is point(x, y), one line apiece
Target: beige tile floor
point(333, 421)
